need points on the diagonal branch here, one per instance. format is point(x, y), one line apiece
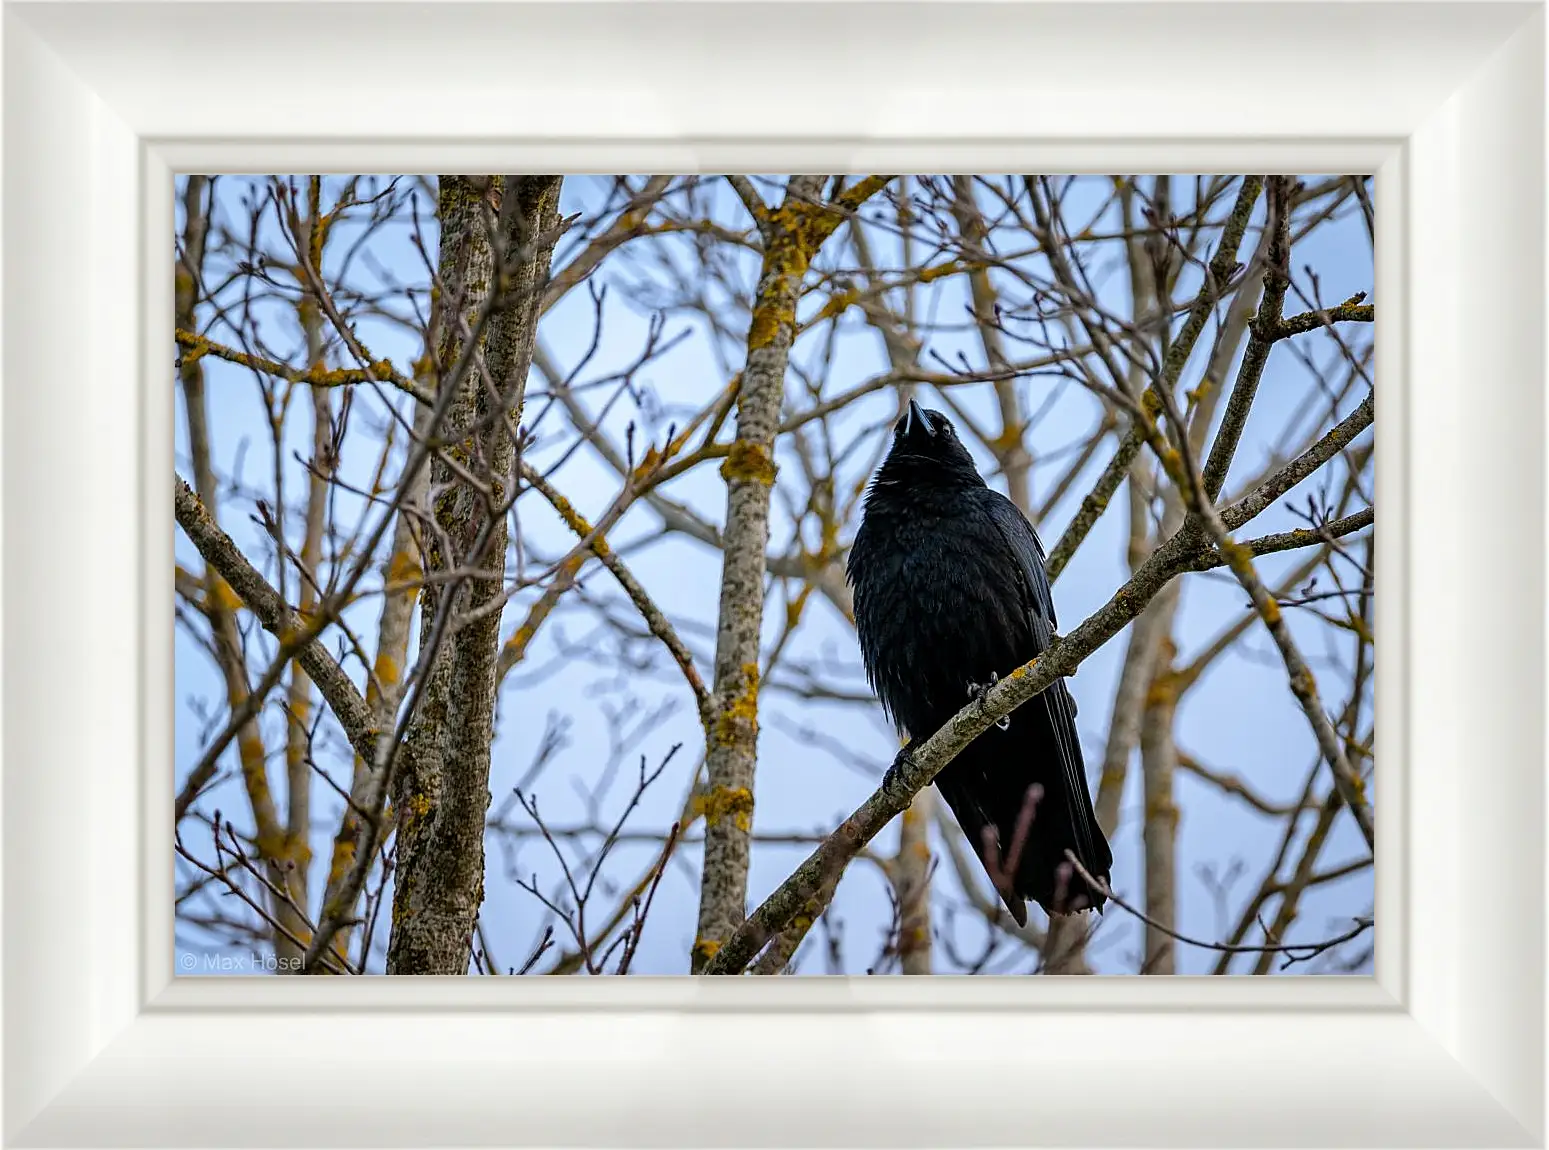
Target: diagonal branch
point(276, 616)
point(751, 200)
point(1203, 514)
point(1217, 278)
point(659, 624)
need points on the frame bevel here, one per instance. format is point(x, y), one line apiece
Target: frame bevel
point(1444, 1046)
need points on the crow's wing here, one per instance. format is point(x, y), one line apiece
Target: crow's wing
point(1028, 551)
point(1038, 601)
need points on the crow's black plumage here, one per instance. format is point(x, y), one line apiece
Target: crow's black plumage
point(951, 592)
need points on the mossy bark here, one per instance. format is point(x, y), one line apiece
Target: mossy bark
point(442, 800)
point(749, 472)
point(792, 235)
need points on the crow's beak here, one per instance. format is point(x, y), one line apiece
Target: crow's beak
point(916, 415)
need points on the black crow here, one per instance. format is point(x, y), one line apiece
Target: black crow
point(951, 593)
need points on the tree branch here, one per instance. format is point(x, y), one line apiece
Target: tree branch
point(275, 615)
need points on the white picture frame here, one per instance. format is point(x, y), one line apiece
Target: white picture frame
point(1445, 1045)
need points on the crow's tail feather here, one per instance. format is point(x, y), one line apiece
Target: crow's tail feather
point(1026, 786)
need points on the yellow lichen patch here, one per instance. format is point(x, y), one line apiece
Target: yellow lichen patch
point(794, 609)
point(706, 948)
point(222, 595)
point(1358, 785)
point(790, 261)
point(343, 858)
point(940, 271)
point(734, 801)
point(912, 818)
point(861, 191)
point(1161, 810)
point(461, 452)
point(519, 639)
point(765, 326)
point(411, 812)
point(836, 305)
point(402, 570)
point(319, 376)
point(749, 461)
point(1163, 691)
point(573, 518)
point(1358, 625)
point(643, 469)
point(786, 260)
point(195, 347)
point(740, 712)
point(445, 505)
point(298, 851)
point(250, 749)
point(387, 670)
point(1007, 441)
point(1301, 537)
point(271, 846)
point(1236, 554)
point(1172, 463)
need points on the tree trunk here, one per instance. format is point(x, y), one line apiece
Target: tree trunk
point(441, 802)
point(1158, 760)
point(298, 749)
point(791, 237)
point(911, 881)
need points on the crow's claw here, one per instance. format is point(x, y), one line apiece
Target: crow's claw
point(904, 758)
point(981, 692)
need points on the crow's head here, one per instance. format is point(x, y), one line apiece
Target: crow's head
point(926, 448)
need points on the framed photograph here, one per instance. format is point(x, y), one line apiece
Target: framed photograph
point(671, 494)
